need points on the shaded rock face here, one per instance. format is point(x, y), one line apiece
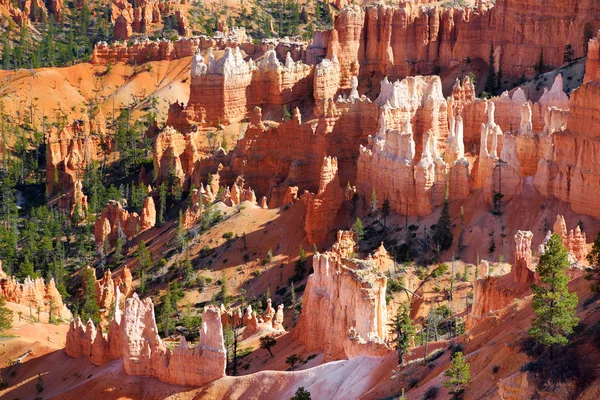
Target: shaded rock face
point(569, 169)
point(343, 308)
point(34, 293)
point(134, 18)
point(115, 222)
point(322, 207)
point(133, 336)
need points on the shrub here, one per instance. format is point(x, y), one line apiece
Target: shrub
point(413, 382)
point(431, 393)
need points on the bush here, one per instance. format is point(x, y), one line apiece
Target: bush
point(227, 235)
point(412, 383)
point(431, 393)
point(531, 348)
point(495, 369)
point(455, 348)
point(439, 271)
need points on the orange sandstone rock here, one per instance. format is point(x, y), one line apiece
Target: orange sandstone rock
point(343, 311)
point(322, 207)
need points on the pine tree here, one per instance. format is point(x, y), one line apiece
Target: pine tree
point(6, 316)
point(373, 203)
point(385, 211)
point(459, 374)
point(301, 394)
point(90, 309)
point(569, 54)
point(358, 229)
point(490, 82)
point(266, 342)
point(554, 306)
point(539, 66)
point(442, 234)
point(162, 203)
point(594, 259)
point(26, 269)
point(403, 329)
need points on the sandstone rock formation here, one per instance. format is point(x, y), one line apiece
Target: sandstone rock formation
point(322, 207)
point(413, 39)
point(34, 293)
point(69, 151)
point(575, 241)
point(402, 163)
point(115, 222)
point(343, 308)
point(133, 337)
point(106, 289)
point(522, 270)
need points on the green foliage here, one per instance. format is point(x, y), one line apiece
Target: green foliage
point(358, 229)
point(442, 234)
point(143, 255)
point(490, 82)
point(90, 309)
point(402, 329)
point(552, 303)
point(286, 113)
point(301, 394)
point(6, 316)
point(539, 66)
point(267, 342)
point(292, 361)
point(594, 259)
point(569, 53)
point(439, 271)
point(459, 374)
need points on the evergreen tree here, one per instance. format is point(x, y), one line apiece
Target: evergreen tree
point(490, 82)
point(167, 324)
point(266, 342)
point(301, 394)
point(292, 360)
point(569, 53)
point(385, 211)
point(403, 329)
point(554, 306)
point(539, 66)
point(594, 259)
point(442, 234)
point(358, 229)
point(90, 309)
point(459, 374)
point(373, 202)
point(162, 203)
point(26, 270)
point(6, 316)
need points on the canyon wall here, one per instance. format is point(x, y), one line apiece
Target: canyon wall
point(343, 309)
point(133, 337)
point(413, 39)
point(568, 169)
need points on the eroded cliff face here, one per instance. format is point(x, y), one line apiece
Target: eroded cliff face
point(106, 289)
point(413, 39)
point(115, 222)
point(343, 308)
point(402, 163)
point(133, 336)
point(322, 207)
point(34, 293)
point(70, 150)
